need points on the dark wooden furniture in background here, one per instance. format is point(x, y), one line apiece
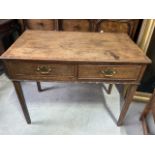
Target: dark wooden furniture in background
point(122, 26)
point(128, 26)
point(82, 25)
point(89, 57)
point(9, 30)
point(39, 24)
point(150, 107)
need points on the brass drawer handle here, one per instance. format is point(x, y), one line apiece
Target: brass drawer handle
point(44, 69)
point(108, 72)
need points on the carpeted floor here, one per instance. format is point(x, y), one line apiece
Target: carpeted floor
point(66, 108)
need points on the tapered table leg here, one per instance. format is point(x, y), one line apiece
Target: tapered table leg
point(110, 88)
point(39, 86)
point(22, 102)
point(148, 108)
point(129, 96)
point(144, 125)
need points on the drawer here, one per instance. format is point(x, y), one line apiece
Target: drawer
point(41, 70)
point(115, 72)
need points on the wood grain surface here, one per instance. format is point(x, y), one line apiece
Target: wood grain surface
point(75, 56)
point(75, 46)
point(130, 72)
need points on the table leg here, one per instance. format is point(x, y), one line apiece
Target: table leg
point(150, 106)
point(22, 102)
point(144, 125)
point(110, 88)
point(143, 116)
point(39, 86)
point(129, 96)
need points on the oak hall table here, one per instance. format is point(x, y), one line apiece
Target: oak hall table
point(75, 56)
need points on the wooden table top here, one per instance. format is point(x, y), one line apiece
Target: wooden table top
point(75, 46)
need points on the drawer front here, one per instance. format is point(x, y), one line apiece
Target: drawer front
point(115, 72)
point(41, 70)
